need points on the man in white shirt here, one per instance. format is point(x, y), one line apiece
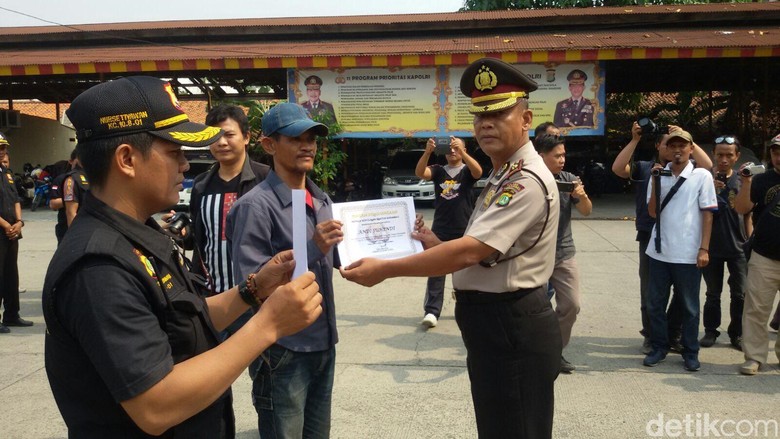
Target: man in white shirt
point(679, 245)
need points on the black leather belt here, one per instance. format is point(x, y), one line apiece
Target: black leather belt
point(474, 296)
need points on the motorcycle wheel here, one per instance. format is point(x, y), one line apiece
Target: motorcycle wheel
point(35, 202)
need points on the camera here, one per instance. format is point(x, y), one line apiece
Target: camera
point(178, 221)
point(658, 172)
point(721, 176)
point(565, 186)
point(752, 169)
point(442, 145)
point(650, 128)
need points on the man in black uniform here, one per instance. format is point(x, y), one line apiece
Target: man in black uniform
point(56, 203)
point(131, 342)
point(74, 187)
point(11, 222)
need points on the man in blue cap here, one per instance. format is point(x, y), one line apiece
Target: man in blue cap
point(293, 379)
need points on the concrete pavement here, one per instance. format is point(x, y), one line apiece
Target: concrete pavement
point(395, 380)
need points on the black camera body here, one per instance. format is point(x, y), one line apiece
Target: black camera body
point(721, 176)
point(658, 172)
point(650, 128)
point(178, 221)
point(442, 145)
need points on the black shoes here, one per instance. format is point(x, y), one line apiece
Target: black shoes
point(737, 342)
point(691, 364)
point(17, 322)
point(653, 358)
point(567, 367)
point(708, 340)
point(4, 329)
point(675, 345)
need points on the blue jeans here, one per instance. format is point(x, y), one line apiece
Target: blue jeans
point(686, 279)
point(291, 392)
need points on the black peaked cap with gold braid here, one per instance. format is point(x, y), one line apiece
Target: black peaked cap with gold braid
point(494, 85)
point(136, 104)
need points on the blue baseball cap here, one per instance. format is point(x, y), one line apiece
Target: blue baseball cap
point(290, 120)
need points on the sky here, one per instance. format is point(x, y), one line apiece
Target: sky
point(74, 12)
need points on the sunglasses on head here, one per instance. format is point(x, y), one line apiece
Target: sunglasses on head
point(730, 140)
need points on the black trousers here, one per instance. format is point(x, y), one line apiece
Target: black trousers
point(9, 277)
point(713, 277)
point(513, 357)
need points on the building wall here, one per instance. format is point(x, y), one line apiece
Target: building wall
point(39, 140)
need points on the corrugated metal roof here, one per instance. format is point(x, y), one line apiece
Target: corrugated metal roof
point(454, 17)
point(682, 38)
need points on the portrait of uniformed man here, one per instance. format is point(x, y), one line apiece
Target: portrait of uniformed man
point(316, 106)
point(576, 111)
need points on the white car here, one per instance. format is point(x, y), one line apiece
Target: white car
point(400, 180)
point(197, 166)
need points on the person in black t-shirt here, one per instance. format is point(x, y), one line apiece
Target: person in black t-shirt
point(729, 231)
point(454, 204)
point(764, 264)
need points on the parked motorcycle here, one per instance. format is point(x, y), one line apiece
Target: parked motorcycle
point(42, 193)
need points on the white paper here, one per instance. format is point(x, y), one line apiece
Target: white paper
point(376, 228)
point(299, 232)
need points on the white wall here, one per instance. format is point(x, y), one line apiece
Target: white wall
point(39, 140)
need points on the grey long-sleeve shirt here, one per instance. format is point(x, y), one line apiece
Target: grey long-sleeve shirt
point(259, 225)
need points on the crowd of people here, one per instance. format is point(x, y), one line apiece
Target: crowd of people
point(157, 356)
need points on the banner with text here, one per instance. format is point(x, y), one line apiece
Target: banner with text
point(424, 102)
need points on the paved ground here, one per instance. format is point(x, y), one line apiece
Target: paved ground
point(394, 380)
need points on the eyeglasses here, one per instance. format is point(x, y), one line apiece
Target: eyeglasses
point(730, 140)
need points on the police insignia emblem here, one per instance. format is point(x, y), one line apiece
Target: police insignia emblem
point(515, 168)
point(504, 199)
point(147, 264)
point(485, 79)
point(512, 188)
point(501, 171)
point(488, 198)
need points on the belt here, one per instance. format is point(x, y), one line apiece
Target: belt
point(474, 296)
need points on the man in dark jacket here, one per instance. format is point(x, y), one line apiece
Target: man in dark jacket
point(215, 191)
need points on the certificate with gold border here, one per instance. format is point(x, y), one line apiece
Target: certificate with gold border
point(376, 229)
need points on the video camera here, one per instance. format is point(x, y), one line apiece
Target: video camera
point(178, 221)
point(650, 128)
point(659, 172)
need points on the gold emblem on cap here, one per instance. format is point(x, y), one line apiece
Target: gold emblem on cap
point(200, 136)
point(485, 79)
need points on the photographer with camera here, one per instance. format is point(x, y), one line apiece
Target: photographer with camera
point(761, 195)
point(453, 184)
point(639, 173)
point(729, 231)
point(685, 201)
point(565, 279)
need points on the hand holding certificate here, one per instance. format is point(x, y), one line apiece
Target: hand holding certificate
point(379, 229)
